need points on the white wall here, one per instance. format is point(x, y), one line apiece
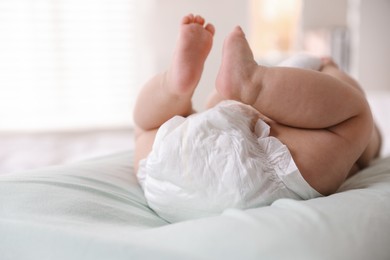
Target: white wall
point(324, 22)
point(319, 14)
point(372, 43)
point(368, 21)
point(160, 24)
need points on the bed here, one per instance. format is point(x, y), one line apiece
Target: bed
point(95, 209)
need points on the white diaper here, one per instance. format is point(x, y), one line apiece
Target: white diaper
point(221, 158)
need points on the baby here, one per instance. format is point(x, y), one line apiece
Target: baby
point(322, 117)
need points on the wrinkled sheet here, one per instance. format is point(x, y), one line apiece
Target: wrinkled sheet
point(96, 210)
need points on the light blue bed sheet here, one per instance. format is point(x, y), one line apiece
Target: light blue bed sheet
point(96, 210)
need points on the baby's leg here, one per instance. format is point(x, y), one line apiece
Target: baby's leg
point(373, 149)
point(169, 94)
point(213, 99)
point(294, 90)
point(325, 123)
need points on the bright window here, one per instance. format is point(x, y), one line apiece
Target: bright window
point(274, 28)
point(67, 64)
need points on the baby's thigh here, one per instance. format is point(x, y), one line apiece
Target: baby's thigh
point(143, 145)
point(323, 157)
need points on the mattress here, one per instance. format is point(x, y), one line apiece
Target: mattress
point(95, 209)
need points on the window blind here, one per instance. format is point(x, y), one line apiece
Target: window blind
point(67, 64)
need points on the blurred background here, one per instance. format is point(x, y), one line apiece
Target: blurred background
point(70, 70)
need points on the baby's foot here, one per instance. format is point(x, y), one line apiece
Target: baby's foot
point(236, 75)
point(192, 48)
